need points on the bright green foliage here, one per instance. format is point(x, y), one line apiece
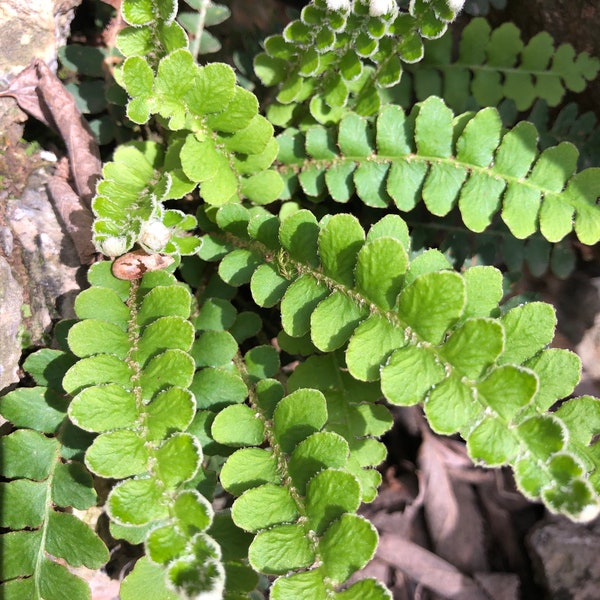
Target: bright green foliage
point(41, 464)
point(352, 414)
point(332, 61)
point(219, 129)
point(130, 387)
point(218, 140)
point(304, 513)
point(465, 161)
point(493, 65)
point(152, 30)
point(429, 335)
point(221, 390)
point(306, 431)
point(175, 384)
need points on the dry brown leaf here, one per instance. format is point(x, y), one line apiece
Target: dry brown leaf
point(41, 94)
point(500, 586)
point(499, 510)
point(398, 510)
point(134, 264)
point(77, 219)
point(451, 510)
point(24, 89)
point(429, 570)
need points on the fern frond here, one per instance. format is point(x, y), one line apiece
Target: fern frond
point(151, 31)
point(351, 406)
point(215, 138)
point(277, 445)
point(431, 336)
point(445, 160)
point(129, 203)
point(297, 496)
point(43, 475)
point(130, 386)
point(569, 125)
point(352, 413)
point(343, 59)
point(493, 65)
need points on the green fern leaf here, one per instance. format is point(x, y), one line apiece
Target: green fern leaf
point(41, 480)
point(494, 65)
point(130, 387)
point(449, 161)
point(302, 487)
point(482, 375)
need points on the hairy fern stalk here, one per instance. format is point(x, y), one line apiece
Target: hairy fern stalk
point(168, 389)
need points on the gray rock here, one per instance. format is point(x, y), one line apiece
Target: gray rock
point(11, 301)
point(41, 260)
point(566, 558)
point(38, 263)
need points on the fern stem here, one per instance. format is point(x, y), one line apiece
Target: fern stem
point(41, 555)
point(273, 444)
point(133, 332)
point(429, 160)
point(195, 48)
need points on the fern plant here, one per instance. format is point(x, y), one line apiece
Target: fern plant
point(496, 65)
point(171, 388)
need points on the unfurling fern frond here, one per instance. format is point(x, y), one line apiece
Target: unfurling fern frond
point(215, 139)
point(168, 390)
point(466, 161)
point(129, 203)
